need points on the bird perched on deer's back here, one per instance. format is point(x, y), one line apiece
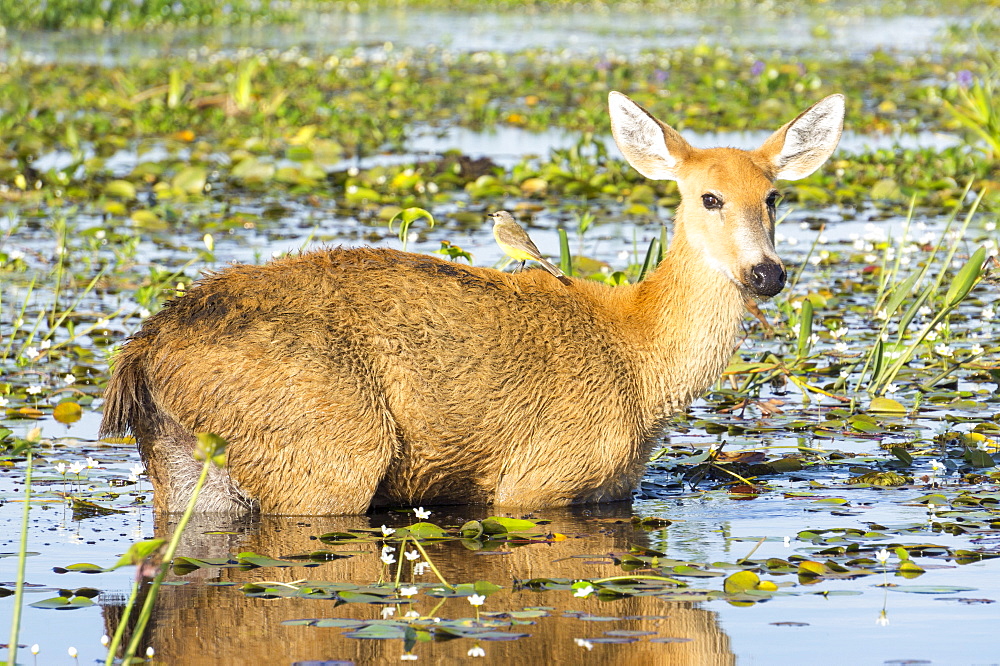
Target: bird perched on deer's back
point(517, 245)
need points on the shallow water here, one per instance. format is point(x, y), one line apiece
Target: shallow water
point(628, 32)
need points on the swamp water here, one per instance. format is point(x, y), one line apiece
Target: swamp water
point(666, 576)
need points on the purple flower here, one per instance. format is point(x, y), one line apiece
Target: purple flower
point(964, 78)
point(757, 69)
point(660, 75)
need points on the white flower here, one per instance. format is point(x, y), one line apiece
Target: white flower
point(931, 336)
point(976, 351)
point(387, 531)
point(891, 388)
point(91, 463)
point(34, 389)
point(408, 591)
point(77, 467)
point(882, 620)
point(408, 656)
point(477, 652)
point(421, 514)
point(32, 353)
point(937, 466)
point(420, 568)
point(387, 558)
point(150, 652)
point(838, 333)
point(135, 471)
point(72, 652)
point(882, 556)
point(411, 615)
point(813, 339)
point(105, 640)
point(788, 542)
point(988, 312)
point(388, 611)
point(3, 401)
point(584, 591)
point(882, 314)
point(69, 379)
point(584, 643)
point(841, 347)
point(943, 350)
point(45, 344)
point(477, 599)
point(924, 311)
point(34, 649)
point(61, 469)
point(411, 554)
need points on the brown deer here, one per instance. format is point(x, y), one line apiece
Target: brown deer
point(351, 378)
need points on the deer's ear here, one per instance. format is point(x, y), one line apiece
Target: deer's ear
point(653, 148)
point(800, 147)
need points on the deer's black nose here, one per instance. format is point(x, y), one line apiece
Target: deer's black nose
point(767, 278)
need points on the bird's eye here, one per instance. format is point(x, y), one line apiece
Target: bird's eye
point(711, 201)
point(772, 199)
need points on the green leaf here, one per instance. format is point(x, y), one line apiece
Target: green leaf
point(740, 582)
point(966, 278)
point(886, 406)
point(501, 525)
point(137, 552)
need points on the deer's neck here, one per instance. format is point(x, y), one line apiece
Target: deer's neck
point(689, 316)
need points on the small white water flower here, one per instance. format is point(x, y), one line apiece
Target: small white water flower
point(150, 652)
point(977, 349)
point(61, 469)
point(32, 353)
point(476, 651)
point(882, 620)
point(838, 333)
point(408, 656)
point(92, 463)
point(387, 555)
point(477, 599)
point(924, 311)
point(411, 555)
point(388, 612)
point(69, 379)
point(882, 556)
point(584, 591)
point(387, 531)
point(34, 389)
point(988, 313)
point(788, 542)
point(841, 347)
point(891, 388)
point(408, 591)
point(584, 643)
point(35, 649)
point(937, 466)
point(882, 314)
point(420, 568)
point(411, 615)
point(3, 401)
point(72, 652)
point(105, 640)
point(77, 467)
point(421, 514)
point(45, 344)
point(943, 350)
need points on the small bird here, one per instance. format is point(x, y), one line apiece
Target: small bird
point(517, 245)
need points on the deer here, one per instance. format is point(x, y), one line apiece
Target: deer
point(346, 379)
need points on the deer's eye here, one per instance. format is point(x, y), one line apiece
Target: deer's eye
point(772, 199)
point(711, 201)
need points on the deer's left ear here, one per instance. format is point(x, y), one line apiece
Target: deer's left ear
point(803, 145)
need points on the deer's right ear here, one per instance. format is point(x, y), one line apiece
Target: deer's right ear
point(653, 148)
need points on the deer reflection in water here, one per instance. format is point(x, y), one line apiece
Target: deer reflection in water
point(210, 624)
